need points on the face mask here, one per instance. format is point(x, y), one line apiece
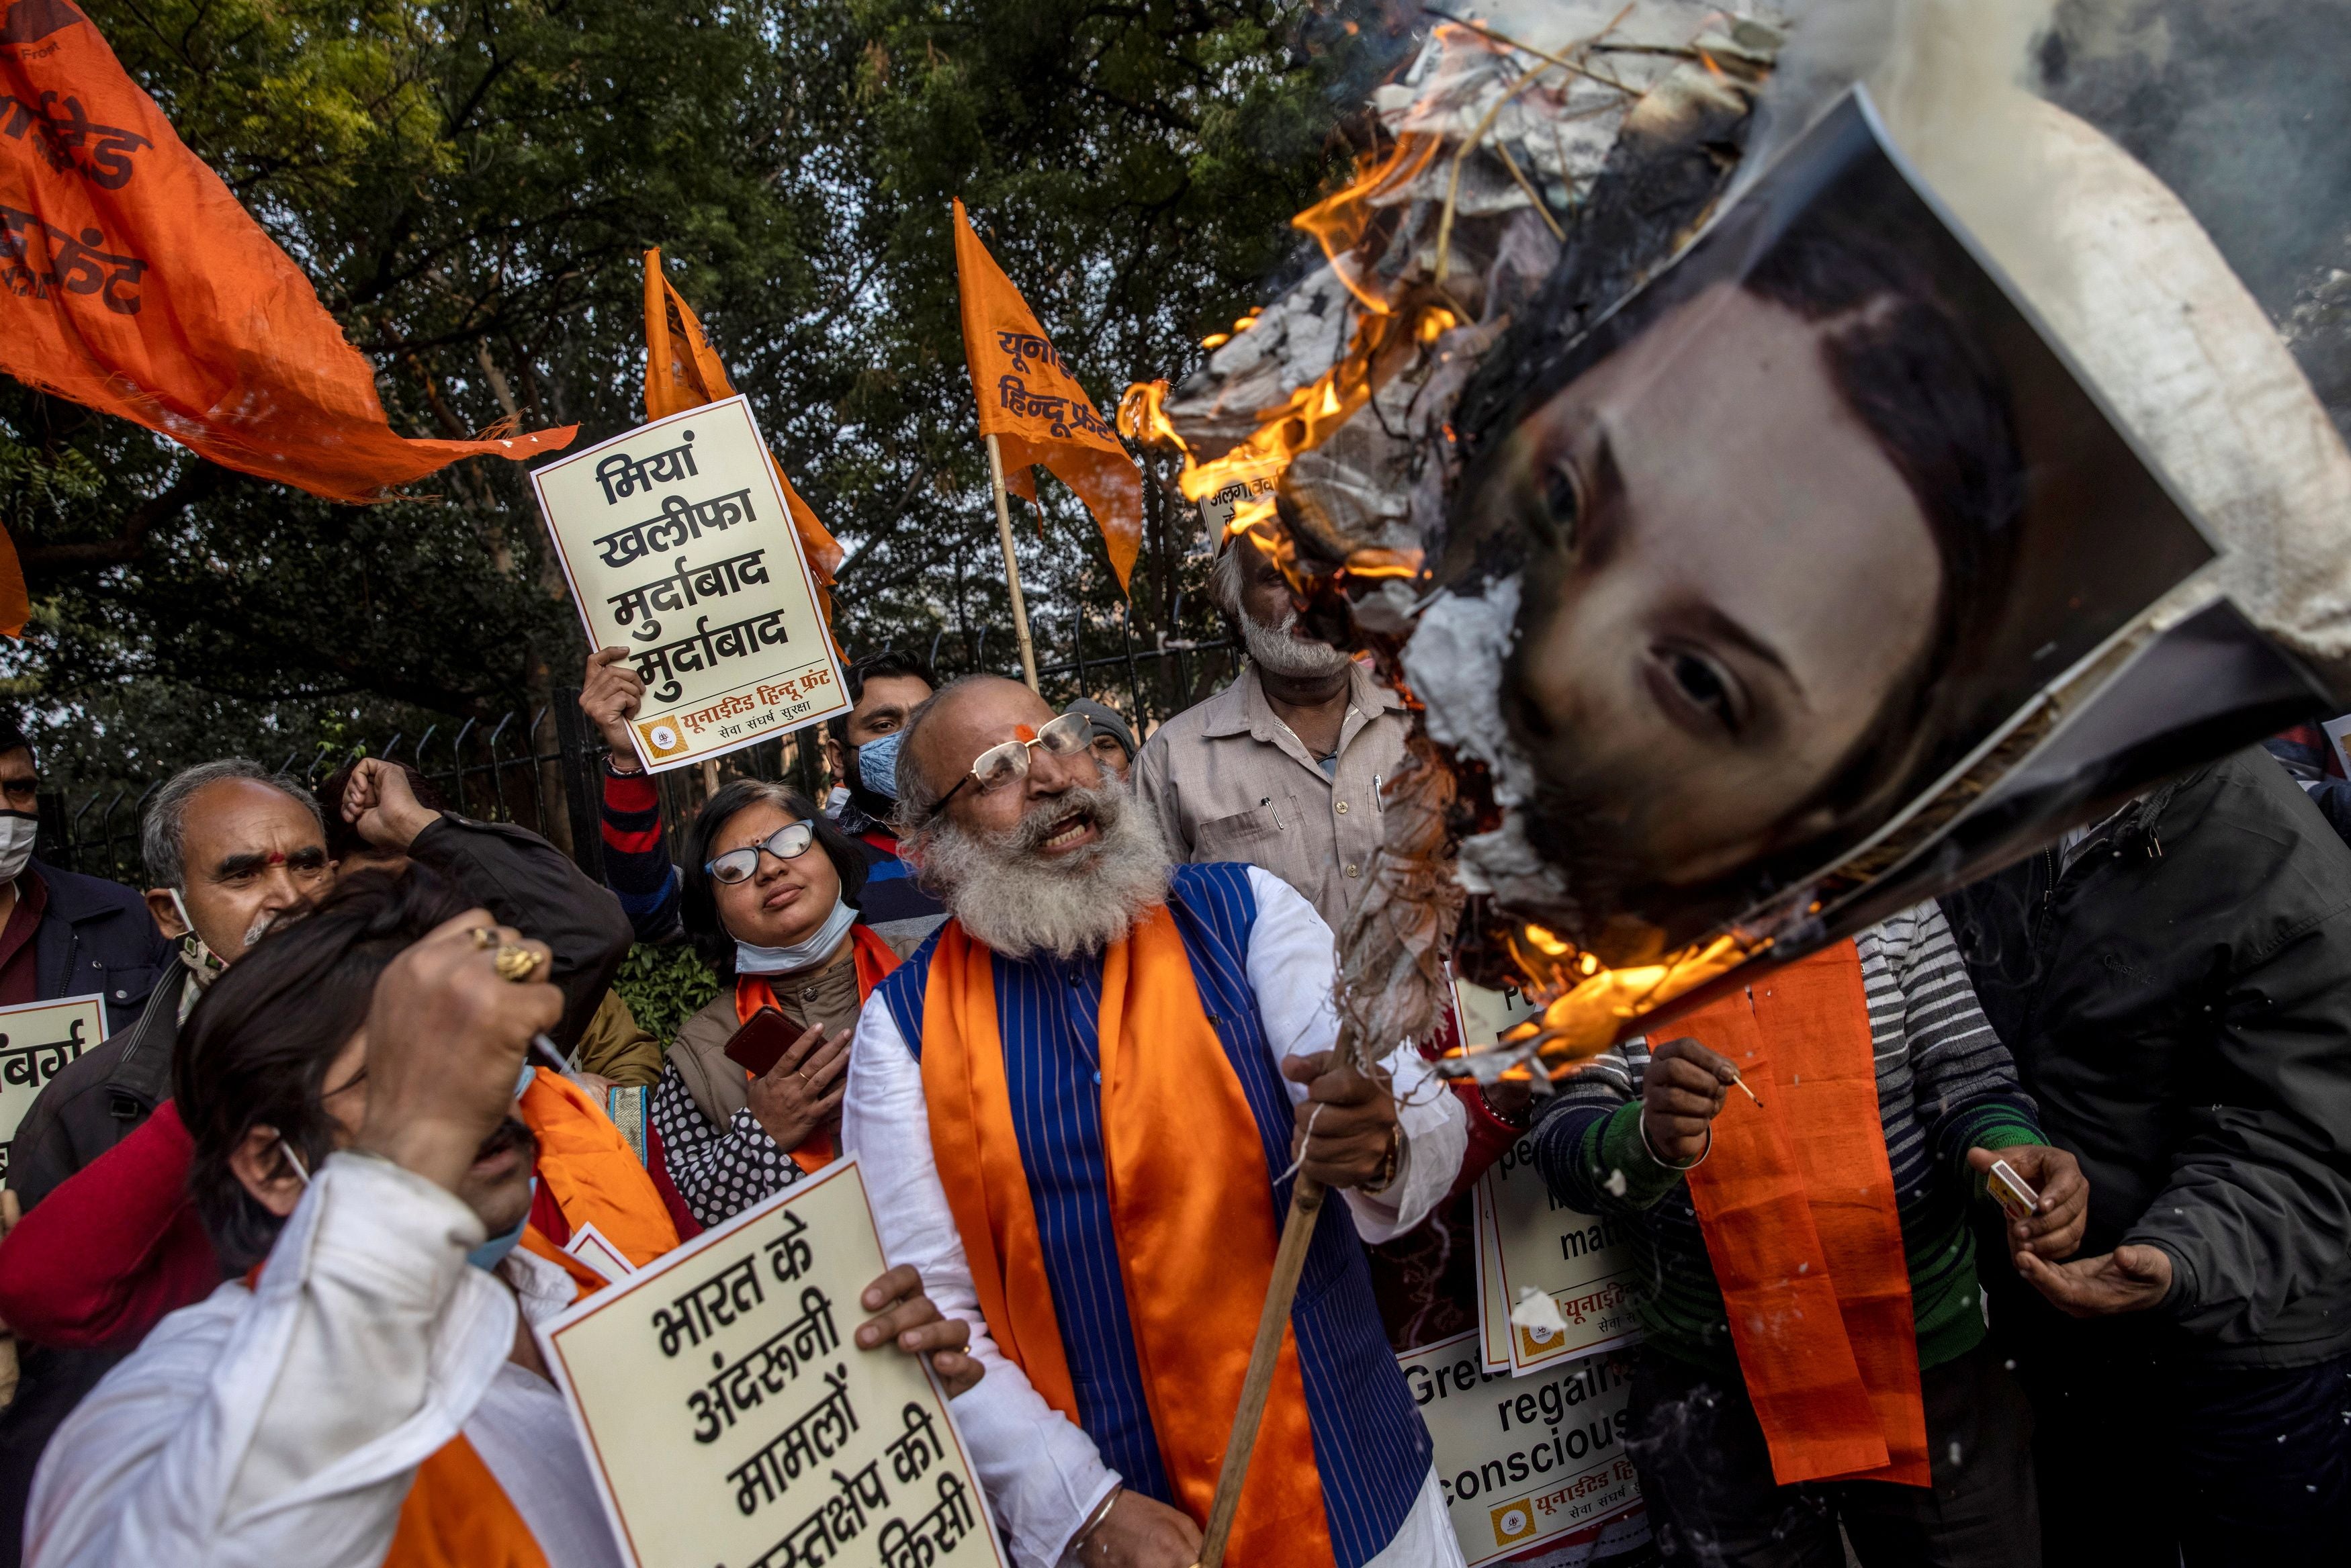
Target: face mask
point(17, 829)
point(877, 764)
point(194, 952)
point(750, 959)
point(493, 1253)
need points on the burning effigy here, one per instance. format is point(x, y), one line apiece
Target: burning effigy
point(1788, 479)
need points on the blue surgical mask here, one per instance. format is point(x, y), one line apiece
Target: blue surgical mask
point(492, 1252)
point(752, 959)
point(877, 763)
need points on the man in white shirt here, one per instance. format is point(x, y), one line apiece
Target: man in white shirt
point(381, 1357)
point(1074, 1103)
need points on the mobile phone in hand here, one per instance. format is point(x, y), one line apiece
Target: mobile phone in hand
point(761, 1043)
point(2011, 1191)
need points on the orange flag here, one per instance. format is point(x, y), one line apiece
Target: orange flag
point(135, 282)
point(682, 371)
point(1035, 409)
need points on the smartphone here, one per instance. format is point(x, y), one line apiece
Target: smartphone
point(759, 1044)
point(2008, 1189)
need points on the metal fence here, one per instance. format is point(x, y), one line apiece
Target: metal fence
point(542, 768)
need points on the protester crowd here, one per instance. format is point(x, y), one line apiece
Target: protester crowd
point(274, 1246)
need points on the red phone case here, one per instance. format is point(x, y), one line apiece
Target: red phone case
point(761, 1043)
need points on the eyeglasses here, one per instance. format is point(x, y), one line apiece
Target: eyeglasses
point(1065, 736)
point(787, 843)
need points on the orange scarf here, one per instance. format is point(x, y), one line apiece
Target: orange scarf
point(1797, 1203)
point(1195, 1237)
point(875, 960)
point(589, 1170)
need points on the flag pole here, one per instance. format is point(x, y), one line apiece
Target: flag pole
point(1011, 568)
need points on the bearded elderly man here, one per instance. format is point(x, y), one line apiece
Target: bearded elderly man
point(1077, 1109)
point(1281, 769)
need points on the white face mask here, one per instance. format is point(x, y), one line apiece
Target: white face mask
point(754, 960)
point(17, 830)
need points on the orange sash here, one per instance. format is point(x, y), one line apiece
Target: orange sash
point(874, 958)
point(457, 1516)
point(588, 1167)
point(1797, 1203)
point(1195, 1236)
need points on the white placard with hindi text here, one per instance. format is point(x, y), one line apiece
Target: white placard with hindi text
point(1527, 1240)
point(679, 546)
point(36, 1040)
point(1523, 1462)
point(732, 1421)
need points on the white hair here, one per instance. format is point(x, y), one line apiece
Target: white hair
point(1016, 901)
point(1270, 647)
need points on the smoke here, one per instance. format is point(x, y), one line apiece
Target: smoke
point(2236, 106)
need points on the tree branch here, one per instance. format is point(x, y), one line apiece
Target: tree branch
point(195, 481)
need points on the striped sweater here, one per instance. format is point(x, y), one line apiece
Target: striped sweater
point(1945, 1085)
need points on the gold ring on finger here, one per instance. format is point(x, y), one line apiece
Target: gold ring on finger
point(483, 938)
point(514, 962)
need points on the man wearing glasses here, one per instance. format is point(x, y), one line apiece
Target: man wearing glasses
point(1079, 1105)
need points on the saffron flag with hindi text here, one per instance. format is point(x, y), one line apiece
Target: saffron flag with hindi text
point(1035, 409)
point(682, 371)
point(136, 284)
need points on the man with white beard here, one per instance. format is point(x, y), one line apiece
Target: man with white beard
point(1281, 769)
point(1073, 1106)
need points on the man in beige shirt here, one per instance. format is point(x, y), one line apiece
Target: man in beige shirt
point(1281, 769)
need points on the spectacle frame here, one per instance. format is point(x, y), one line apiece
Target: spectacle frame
point(1065, 736)
point(788, 842)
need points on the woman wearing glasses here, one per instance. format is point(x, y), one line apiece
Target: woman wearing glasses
point(770, 899)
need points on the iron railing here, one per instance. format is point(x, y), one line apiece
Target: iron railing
point(541, 767)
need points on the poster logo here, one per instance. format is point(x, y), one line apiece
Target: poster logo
point(1512, 1522)
point(662, 738)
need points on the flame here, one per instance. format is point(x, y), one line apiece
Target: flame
point(1338, 221)
point(1712, 69)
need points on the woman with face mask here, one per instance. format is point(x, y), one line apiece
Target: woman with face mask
point(770, 899)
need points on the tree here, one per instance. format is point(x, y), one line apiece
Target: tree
point(470, 185)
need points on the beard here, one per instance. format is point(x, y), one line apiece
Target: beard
point(1271, 648)
point(1016, 900)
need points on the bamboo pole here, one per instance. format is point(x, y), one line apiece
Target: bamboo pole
point(1011, 568)
point(1297, 1232)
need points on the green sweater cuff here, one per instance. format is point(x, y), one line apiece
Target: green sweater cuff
point(1622, 1165)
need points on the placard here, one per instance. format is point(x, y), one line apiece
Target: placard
point(679, 545)
point(1583, 1262)
point(1523, 1462)
point(732, 1420)
point(36, 1040)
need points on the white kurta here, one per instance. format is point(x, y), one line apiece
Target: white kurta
point(283, 1425)
point(1041, 1472)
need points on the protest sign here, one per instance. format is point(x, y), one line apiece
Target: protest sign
point(1523, 1463)
point(679, 546)
point(1583, 1262)
point(733, 1421)
point(36, 1040)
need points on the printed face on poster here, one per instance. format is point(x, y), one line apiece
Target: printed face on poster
point(1523, 1462)
point(733, 1420)
point(36, 1040)
point(678, 546)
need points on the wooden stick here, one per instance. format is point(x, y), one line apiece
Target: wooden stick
point(1305, 1208)
point(1011, 568)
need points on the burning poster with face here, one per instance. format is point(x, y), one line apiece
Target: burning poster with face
point(1759, 560)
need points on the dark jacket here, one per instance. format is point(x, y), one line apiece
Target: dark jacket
point(97, 936)
point(524, 880)
point(2177, 999)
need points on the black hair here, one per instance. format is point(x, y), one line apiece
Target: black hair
point(255, 1050)
point(697, 900)
point(343, 840)
point(882, 666)
point(12, 733)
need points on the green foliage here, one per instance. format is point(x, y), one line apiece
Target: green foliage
point(665, 986)
point(470, 189)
